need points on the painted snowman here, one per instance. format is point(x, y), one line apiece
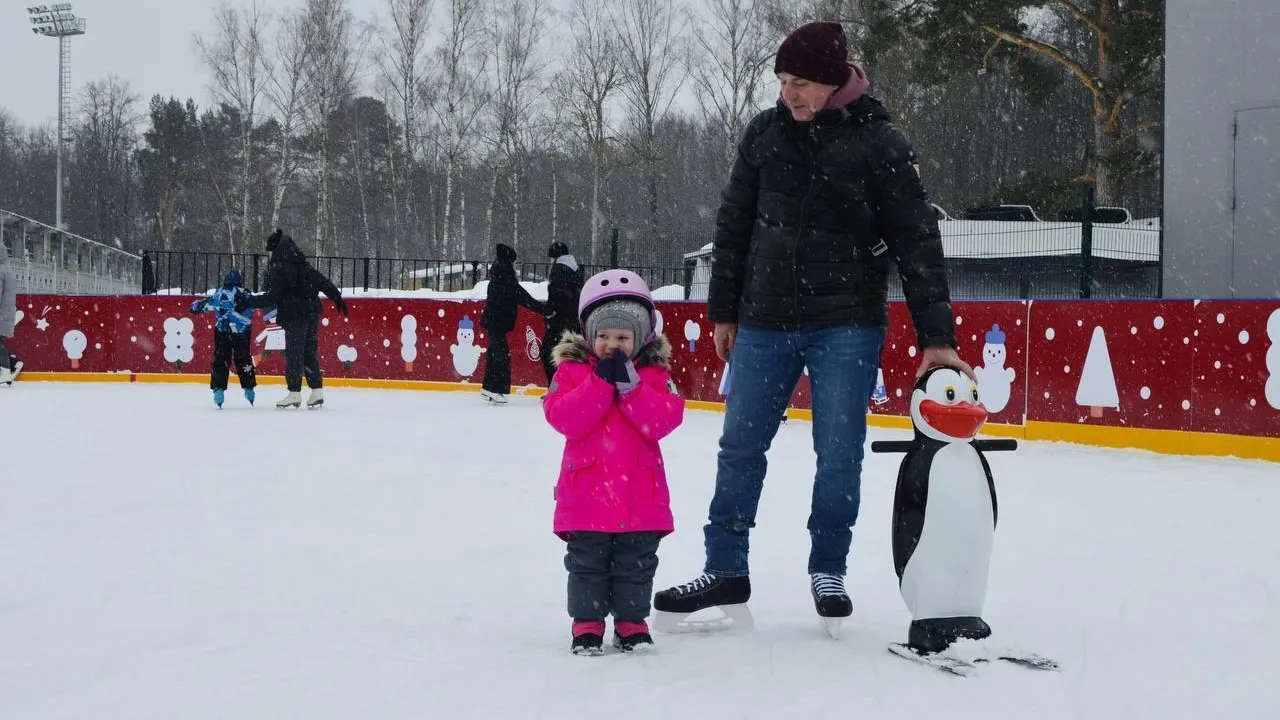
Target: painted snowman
point(995, 381)
point(466, 354)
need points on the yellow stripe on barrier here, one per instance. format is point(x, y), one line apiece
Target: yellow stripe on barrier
point(1171, 442)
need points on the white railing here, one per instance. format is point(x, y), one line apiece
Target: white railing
point(47, 261)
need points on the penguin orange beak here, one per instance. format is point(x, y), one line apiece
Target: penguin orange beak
point(957, 420)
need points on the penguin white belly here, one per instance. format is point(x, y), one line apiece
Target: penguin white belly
point(946, 575)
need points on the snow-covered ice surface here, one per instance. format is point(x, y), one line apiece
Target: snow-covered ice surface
point(390, 556)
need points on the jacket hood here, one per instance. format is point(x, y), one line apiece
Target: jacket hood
point(574, 347)
point(288, 251)
point(568, 261)
point(506, 253)
point(864, 109)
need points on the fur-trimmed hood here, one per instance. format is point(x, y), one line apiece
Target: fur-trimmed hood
point(573, 346)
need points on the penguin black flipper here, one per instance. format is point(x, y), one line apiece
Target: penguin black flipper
point(909, 499)
point(991, 483)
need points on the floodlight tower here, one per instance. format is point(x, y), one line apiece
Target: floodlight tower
point(58, 21)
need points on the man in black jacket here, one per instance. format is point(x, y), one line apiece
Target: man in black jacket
point(824, 195)
point(504, 296)
point(564, 285)
point(293, 287)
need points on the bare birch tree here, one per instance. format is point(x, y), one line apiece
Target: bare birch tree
point(591, 77)
point(288, 90)
point(732, 52)
point(401, 63)
point(235, 57)
point(105, 135)
point(517, 31)
point(332, 72)
point(653, 53)
point(461, 97)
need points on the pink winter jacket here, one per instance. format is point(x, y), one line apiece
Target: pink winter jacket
point(612, 477)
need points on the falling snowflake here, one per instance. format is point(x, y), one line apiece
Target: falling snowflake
point(1049, 334)
point(1158, 322)
point(1145, 393)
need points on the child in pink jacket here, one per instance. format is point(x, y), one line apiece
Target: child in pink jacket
point(613, 399)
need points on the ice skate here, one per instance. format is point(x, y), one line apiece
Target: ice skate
point(674, 606)
point(218, 396)
point(588, 637)
point(6, 376)
point(292, 400)
point(632, 637)
point(250, 395)
point(316, 399)
point(493, 398)
point(831, 601)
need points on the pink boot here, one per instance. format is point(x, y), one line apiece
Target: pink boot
point(588, 637)
point(632, 636)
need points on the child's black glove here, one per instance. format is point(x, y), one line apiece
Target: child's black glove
point(242, 302)
point(607, 369)
point(342, 307)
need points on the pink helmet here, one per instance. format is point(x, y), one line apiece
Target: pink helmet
point(612, 284)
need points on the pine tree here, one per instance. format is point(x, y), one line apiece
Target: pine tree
point(1117, 62)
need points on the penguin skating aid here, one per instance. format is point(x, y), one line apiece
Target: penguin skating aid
point(944, 520)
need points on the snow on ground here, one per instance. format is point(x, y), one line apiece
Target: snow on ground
point(390, 556)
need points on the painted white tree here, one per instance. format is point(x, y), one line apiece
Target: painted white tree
point(1097, 388)
point(1273, 361)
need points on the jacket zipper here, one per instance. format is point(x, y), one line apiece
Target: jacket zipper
point(795, 249)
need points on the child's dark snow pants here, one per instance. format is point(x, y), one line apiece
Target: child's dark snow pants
point(611, 572)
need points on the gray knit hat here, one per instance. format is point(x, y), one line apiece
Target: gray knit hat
point(620, 314)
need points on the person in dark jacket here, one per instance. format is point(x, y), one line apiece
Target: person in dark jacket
point(564, 285)
point(293, 287)
point(824, 197)
point(504, 296)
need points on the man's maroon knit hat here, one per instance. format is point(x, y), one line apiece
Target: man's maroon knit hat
point(816, 51)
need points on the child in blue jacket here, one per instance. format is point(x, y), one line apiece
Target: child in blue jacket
point(230, 336)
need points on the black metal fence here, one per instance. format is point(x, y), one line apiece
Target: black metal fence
point(194, 272)
point(987, 259)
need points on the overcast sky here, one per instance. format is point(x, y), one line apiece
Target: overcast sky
point(146, 42)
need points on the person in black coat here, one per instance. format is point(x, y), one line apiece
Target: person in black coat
point(504, 297)
point(564, 285)
point(825, 199)
point(293, 287)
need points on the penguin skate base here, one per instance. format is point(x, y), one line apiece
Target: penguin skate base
point(717, 618)
point(967, 657)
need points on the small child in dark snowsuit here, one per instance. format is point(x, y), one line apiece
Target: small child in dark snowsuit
point(230, 337)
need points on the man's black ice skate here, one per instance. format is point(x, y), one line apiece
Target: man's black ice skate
point(673, 606)
point(831, 601)
point(588, 637)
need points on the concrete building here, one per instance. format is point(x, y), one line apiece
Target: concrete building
point(1222, 149)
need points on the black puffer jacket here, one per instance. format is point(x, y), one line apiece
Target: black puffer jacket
point(505, 294)
point(293, 287)
point(812, 217)
point(564, 288)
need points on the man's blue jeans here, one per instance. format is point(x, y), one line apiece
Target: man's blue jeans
point(764, 368)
